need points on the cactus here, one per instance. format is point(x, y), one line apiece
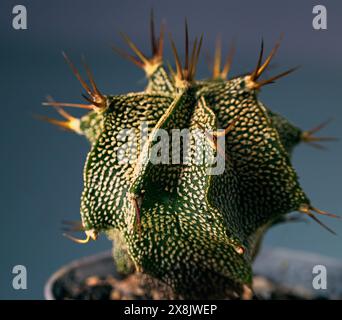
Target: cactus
point(195, 232)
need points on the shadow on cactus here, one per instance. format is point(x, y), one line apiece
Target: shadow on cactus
point(191, 230)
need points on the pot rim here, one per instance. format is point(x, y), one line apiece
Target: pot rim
point(48, 288)
point(261, 266)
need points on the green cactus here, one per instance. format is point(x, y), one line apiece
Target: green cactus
point(196, 232)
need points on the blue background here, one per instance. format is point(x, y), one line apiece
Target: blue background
point(41, 166)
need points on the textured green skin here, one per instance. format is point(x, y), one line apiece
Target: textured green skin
point(191, 223)
point(91, 125)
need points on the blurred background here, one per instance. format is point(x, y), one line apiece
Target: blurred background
point(41, 166)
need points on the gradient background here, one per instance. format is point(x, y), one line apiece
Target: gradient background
point(41, 166)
